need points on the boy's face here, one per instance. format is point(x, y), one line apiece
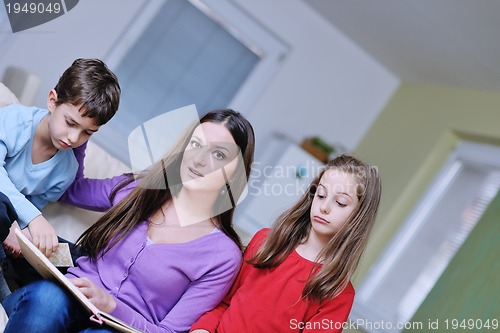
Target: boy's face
point(67, 127)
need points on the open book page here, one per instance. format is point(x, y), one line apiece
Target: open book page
point(48, 271)
point(62, 257)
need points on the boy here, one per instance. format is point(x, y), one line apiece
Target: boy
point(37, 163)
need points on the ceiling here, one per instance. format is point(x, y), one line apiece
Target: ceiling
point(442, 42)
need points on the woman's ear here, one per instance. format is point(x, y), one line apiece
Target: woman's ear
point(51, 100)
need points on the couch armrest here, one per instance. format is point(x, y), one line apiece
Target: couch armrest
point(23, 84)
point(6, 96)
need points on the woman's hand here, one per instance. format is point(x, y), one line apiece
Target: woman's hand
point(43, 235)
point(98, 296)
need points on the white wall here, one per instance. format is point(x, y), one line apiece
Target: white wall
point(327, 86)
point(89, 30)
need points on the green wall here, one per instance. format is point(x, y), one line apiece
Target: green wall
point(469, 288)
point(410, 141)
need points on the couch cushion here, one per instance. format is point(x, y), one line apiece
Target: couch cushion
point(6, 96)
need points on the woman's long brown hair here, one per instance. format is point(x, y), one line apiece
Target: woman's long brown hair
point(341, 255)
point(154, 189)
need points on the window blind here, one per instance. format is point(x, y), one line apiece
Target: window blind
point(180, 57)
point(408, 269)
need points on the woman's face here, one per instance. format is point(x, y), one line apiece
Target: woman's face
point(210, 158)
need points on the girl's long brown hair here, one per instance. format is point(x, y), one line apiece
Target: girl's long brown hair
point(341, 255)
point(154, 189)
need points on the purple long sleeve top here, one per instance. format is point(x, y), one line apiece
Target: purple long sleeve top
point(157, 287)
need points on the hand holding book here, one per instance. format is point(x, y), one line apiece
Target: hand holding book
point(97, 296)
point(47, 270)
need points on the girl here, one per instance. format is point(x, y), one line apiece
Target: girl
point(163, 255)
point(296, 276)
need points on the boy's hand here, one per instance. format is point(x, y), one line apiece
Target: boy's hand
point(43, 235)
point(11, 244)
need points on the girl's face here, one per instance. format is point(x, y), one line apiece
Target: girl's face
point(334, 201)
point(210, 158)
point(67, 127)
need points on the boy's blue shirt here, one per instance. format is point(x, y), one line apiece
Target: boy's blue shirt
point(30, 186)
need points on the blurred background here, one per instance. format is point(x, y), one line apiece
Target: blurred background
point(411, 86)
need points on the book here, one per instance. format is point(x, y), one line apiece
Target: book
point(48, 271)
point(62, 256)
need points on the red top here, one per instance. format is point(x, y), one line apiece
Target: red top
point(269, 300)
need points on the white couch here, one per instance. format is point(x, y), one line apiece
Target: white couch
point(69, 221)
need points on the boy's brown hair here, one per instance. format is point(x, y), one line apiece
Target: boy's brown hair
point(90, 84)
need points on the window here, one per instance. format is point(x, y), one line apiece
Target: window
point(420, 251)
point(176, 53)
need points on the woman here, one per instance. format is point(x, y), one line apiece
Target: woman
point(165, 252)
